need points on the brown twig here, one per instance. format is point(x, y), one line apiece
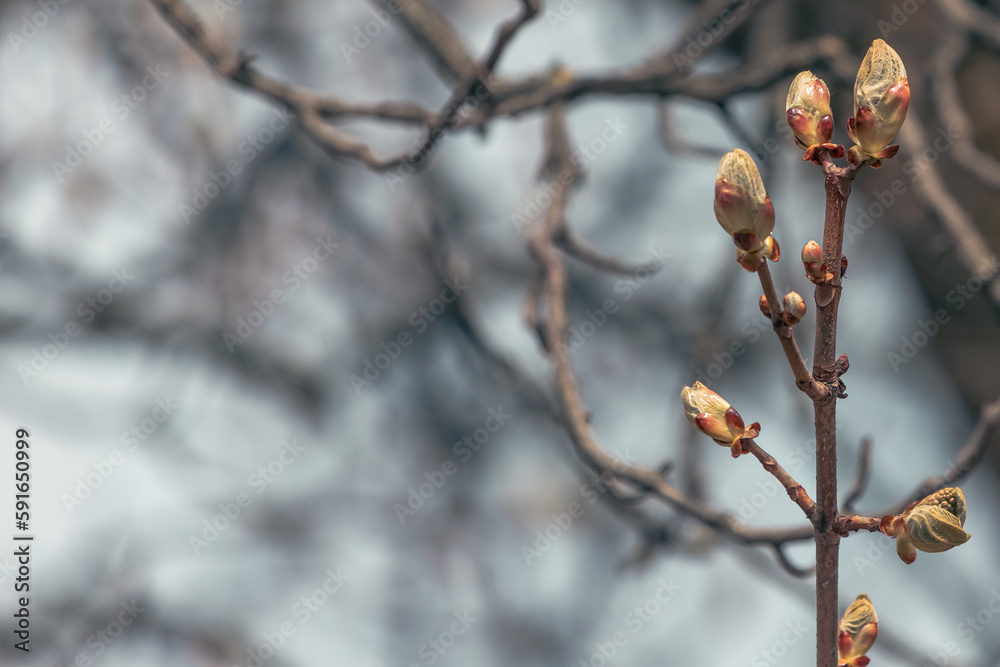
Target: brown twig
point(790, 567)
point(552, 300)
point(838, 187)
point(966, 460)
point(968, 457)
point(804, 380)
point(795, 490)
point(314, 108)
point(590, 255)
point(973, 249)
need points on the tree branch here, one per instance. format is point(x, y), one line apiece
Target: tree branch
point(804, 380)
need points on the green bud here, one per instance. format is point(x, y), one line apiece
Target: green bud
point(933, 525)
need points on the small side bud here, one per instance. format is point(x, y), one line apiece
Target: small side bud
point(771, 249)
point(842, 365)
point(794, 308)
point(933, 525)
point(765, 308)
point(812, 261)
point(712, 415)
point(857, 632)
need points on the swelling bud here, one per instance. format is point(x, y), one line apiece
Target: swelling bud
point(932, 525)
point(744, 209)
point(812, 261)
point(794, 308)
point(881, 99)
point(807, 110)
point(857, 632)
point(712, 415)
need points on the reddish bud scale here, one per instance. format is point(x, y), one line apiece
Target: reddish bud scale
point(765, 308)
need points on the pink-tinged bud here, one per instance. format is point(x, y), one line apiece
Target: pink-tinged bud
point(712, 415)
point(857, 632)
point(741, 204)
point(881, 99)
point(794, 308)
point(812, 260)
point(751, 253)
point(842, 365)
point(812, 253)
point(933, 525)
point(764, 306)
point(807, 109)
point(771, 249)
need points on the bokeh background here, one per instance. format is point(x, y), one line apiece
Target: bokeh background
point(240, 503)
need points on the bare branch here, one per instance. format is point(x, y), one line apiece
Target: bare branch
point(973, 249)
point(795, 490)
point(804, 380)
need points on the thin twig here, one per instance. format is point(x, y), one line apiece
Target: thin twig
point(968, 457)
point(838, 187)
point(590, 255)
point(795, 490)
point(574, 413)
point(972, 247)
point(804, 380)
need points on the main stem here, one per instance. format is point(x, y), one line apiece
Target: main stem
point(838, 188)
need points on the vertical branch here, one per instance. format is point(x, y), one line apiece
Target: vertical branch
point(838, 188)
